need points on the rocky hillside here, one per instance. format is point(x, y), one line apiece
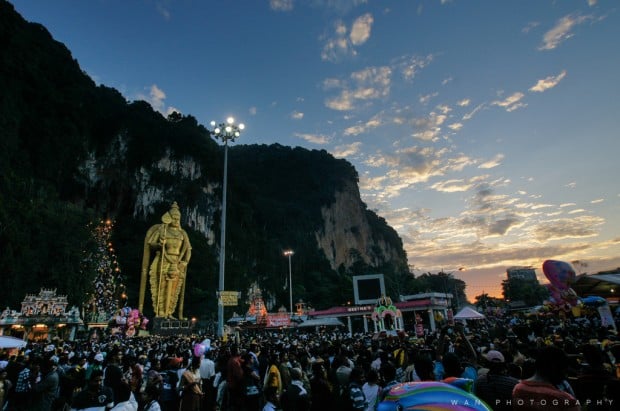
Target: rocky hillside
point(73, 153)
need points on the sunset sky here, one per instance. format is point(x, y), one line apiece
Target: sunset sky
point(485, 132)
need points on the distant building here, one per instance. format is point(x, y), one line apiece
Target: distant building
point(521, 273)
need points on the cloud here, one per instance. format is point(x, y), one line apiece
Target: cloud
point(428, 128)
point(597, 201)
point(530, 26)
point(162, 9)
point(360, 31)
point(364, 85)
point(453, 186)
point(313, 138)
point(426, 98)
point(156, 98)
point(342, 42)
point(563, 228)
point(362, 128)
point(494, 162)
point(446, 81)
point(346, 150)
point(296, 115)
point(253, 110)
point(577, 211)
point(414, 165)
point(471, 114)
point(511, 102)
point(281, 5)
point(409, 66)
point(547, 83)
point(463, 103)
point(562, 31)
point(455, 126)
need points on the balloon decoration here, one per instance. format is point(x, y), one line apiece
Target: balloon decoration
point(202, 348)
point(561, 276)
point(128, 321)
point(431, 395)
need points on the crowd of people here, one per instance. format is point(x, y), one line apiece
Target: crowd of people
point(514, 363)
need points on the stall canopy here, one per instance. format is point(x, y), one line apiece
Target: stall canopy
point(469, 313)
point(322, 322)
point(11, 342)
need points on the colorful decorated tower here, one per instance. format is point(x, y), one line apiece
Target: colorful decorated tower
point(386, 316)
point(257, 307)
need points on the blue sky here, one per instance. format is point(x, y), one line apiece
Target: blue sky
point(485, 132)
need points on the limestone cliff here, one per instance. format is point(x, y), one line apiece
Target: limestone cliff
point(347, 235)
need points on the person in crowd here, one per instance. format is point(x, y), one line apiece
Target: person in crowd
point(594, 380)
point(151, 397)
point(388, 371)
point(234, 378)
point(126, 400)
point(5, 388)
point(251, 384)
point(23, 388)
point(271, 399)
point(356, 398)
point(191, 387)
point(113, 372)
point(372, 389)
point(425, 368)
point(45, 391)
point(540, 390)
point(272, 376)
point(207, 376)
point(169, 399)
point(96, 396)
point(495, 386)
point(322, 395)
point(295, 397)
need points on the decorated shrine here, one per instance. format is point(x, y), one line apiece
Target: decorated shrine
point(42, 317)
point(386, 317)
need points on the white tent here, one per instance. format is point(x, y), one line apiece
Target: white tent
point(468, 313)
point(11, 342)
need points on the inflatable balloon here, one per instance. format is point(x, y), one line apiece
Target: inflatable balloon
point(144, 322)
point(465, 384)
point(199, 350)
point(431, 395)
point(559, 273)
point(207, 344)
point(561, 276)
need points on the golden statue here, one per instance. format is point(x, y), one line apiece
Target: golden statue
point(167, 270)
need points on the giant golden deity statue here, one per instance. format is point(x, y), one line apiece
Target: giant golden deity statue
point(166, 254)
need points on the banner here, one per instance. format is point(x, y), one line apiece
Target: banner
point(229, 298)
point(607, 318)
point(278, 320)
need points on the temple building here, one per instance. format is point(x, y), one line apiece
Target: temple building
point(42, 317)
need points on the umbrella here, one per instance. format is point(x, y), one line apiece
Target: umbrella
point(11, 342)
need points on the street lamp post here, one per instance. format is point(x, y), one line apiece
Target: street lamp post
point(289, 254)
point(224, 131)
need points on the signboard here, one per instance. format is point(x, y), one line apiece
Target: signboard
point(278, 320)
point(229, 298)
point(367, 289)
